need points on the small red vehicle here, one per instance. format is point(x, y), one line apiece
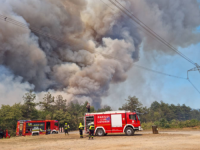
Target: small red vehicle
point(113, 122)
point(36, 127)
point(4, 134)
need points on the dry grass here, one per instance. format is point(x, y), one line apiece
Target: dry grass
point(140, 141)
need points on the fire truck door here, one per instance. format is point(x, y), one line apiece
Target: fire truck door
point(21, 128)
point(116, 123)
point(47, 125)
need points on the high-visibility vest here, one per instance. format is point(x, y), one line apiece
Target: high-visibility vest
point(91, 128)
point(81, 127)
point(66, 127)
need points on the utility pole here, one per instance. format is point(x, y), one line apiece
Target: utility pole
point(197, 68)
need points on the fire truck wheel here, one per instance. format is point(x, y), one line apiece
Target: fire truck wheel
point(129, 131)
point(100, 132)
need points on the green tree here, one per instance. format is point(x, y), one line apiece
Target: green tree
point(9, 116)
point(47, 102)
point(156, 116)
point(155, 106)
point(132, 104)
point(61, 103)
point(29, 107)
point(47, 105)
point(105, 108)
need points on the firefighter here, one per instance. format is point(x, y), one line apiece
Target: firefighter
point(66, 128)
point(91, 128)
point(48, 131)
point(88, 107)
point(81, 127)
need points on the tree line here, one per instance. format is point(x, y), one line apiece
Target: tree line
point(163, 115)
point(57, 108)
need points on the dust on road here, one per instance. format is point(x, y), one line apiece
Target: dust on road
point(140, 141)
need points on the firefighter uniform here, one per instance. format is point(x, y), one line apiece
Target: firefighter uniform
point(81, 127)
point(48, 131)
point(91, 129)
point(66, 128)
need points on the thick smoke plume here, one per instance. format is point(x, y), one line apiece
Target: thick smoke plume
point(101, 44)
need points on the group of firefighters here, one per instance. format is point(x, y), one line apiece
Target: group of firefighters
point(81, 127)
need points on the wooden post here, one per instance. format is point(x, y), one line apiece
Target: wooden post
point(155, 129)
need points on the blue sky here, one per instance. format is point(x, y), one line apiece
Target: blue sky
point(149, 87)
point(158, 87)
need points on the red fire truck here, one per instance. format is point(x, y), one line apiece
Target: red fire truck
point(113, 122)
point(36, 127)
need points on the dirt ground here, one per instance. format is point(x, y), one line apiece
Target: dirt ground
point(145, 140)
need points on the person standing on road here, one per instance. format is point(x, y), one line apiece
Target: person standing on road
point(81, 127)
point(91, 129)
point(66, 128)
point(48, 131)
point(88, 107)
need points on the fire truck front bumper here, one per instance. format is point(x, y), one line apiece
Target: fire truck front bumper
point(139, 128)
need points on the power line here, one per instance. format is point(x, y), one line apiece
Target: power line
point(197, 68)
point(193, 86)
point(22, 25)
point(158, 72)
point(146, 28)
point(33, 29)
point(151, 70)
point(159, 38)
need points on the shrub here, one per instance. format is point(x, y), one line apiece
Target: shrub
point(163, 122)
point(157, 123)
point(147, 125)
point(167, 126)
point(174, 123)
point(181, 124)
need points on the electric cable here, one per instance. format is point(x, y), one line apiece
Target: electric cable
point(33, 29)
point(193, 86)
point(145, 68)
point(20, 24)
point(146, 28)
point(158, 72)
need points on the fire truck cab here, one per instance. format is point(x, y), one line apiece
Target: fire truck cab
point(113, 122)
point(36, 127)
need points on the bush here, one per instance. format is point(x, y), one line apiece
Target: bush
point(181, 124)
point(157, 123)
point(147, 125)
point(194, 123)
point(174, 123)
point(163, 122)
point(191, 123)
point(167, 126)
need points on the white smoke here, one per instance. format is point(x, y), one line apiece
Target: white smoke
point(12, 88)
point(100, 47)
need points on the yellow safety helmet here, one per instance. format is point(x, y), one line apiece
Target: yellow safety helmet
point(65, 123)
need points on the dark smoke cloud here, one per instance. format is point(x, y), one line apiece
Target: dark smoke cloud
point(81, 69)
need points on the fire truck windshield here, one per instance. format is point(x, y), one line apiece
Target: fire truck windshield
point(56, 124)
point(132, 117)
point(138, 117)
